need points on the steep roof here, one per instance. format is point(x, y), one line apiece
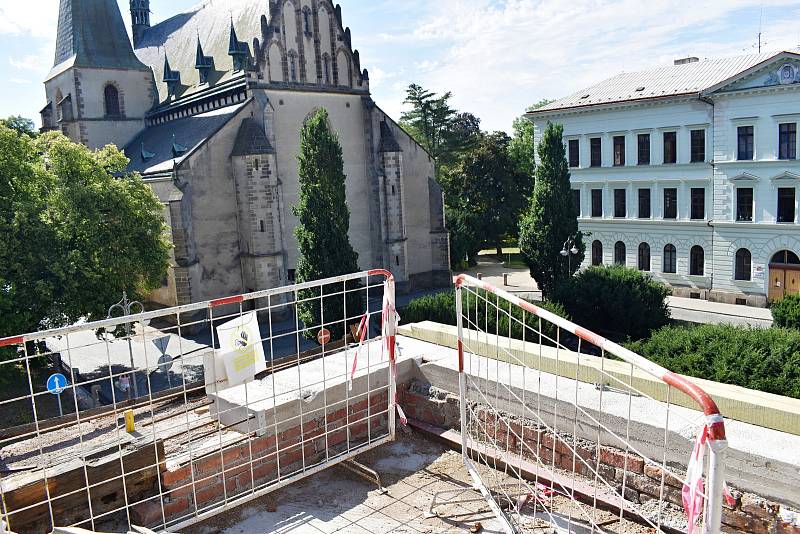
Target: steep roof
point(157, 148)
point(91, 33)
point(674, 80)
point(211, 23)
point(251, 140)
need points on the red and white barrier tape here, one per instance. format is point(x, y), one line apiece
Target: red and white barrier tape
point(694, 487)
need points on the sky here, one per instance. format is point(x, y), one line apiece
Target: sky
point(496, 56)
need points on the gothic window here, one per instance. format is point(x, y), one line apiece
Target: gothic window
point(326, 69)
point(111, 98)
point(307, 22)
point(292, 68)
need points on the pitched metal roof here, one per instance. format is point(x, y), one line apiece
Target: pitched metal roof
point(158, 148)
point(251, 140)
point(674, 80)
point(91, 33)
point(209, 21)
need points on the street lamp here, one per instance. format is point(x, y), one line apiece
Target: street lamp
point(570, 249)
point(125, 306)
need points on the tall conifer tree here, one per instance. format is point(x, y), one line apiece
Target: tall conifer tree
point(552, 218)
point(322, 232)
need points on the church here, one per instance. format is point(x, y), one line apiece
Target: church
point(209, 104)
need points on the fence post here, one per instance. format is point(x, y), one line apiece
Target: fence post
point(716, 485)
point(462, 383)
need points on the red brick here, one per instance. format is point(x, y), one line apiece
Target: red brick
point(234, 454)
point(758, 507)
point(176, 508)
point(146, 513)
point(263, 444)
point(265, 471)
point(210, 494)
point(209, 464)
point(744, 522)
point(616, 458)
point(176, 477)
point(654, 472)
point(289, 434)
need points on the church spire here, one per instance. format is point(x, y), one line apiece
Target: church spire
point(140, 19)
point(203, 63)
point(238, 50)
point(91, 33)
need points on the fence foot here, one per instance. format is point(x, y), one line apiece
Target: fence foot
point(366, 473)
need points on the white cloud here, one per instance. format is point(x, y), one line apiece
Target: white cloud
point(36, 18)
point(31, 62)
point(20, 81)
point(497, 58)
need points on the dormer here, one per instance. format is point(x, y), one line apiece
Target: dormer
point(171, 77)
point(238, 50)
point(203, 63)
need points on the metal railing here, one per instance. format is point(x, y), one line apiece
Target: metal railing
point(562, 428)
point(227, 400)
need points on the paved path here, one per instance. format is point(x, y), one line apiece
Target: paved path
point(683, 309)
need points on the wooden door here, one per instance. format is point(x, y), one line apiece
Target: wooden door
point(777, 283)
point(792, 282)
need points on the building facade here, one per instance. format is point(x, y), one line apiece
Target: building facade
point(690, 172)
point(209, 106)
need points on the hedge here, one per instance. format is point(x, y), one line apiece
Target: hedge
point(441, 308)
point(786, 312)
point(616, 301)
point(763, 359)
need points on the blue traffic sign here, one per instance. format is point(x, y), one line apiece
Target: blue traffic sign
point(56, 384)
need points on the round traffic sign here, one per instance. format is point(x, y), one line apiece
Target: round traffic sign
point(165, 363)
point(324, 336)
point(56, 384)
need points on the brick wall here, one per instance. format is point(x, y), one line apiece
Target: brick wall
point(250, 465)
point(642, 482)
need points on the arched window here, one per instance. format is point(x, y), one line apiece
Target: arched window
point(293, 68)
point(670, 259)
point(785, 257)
point(326, 69)
point(644, 257)
point(743, 269)
point(619, 253)
point(111, 98)
point(697, 261)
point(597, 253)
point(307, 21)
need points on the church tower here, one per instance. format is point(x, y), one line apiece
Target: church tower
point(98, 91)
point(140, 19)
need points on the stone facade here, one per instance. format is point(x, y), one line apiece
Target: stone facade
point(217, 136)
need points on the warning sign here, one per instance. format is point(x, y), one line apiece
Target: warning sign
point(240, 349)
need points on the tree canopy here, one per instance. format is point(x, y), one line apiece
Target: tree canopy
point(77, 230)
point(322, 230)
point(486, 192)
point(20, 124)
point(552, 218)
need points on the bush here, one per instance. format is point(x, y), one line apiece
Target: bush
point(763, 359)
point(787, 312)
point(616, 301)
point(441, 308)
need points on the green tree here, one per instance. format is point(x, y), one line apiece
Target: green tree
point(21, 125)
point(437, 126)
point(552, 218)
point(322, 231)
point(77, 230)
point(522, 148)
point(490, 192)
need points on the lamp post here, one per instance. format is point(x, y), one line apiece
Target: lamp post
point(124, 306)
point(570, 249)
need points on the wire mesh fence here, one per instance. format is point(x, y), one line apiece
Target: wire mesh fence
point(164, 418)
point(563, 429)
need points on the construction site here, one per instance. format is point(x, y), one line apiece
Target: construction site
point(235, 416)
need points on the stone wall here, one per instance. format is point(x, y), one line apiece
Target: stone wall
point(751, 514)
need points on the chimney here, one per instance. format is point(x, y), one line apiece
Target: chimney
point(686, 60)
